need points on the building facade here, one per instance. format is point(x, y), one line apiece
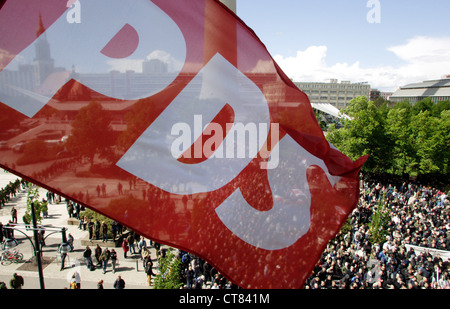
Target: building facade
point(436, 90)
point(337, 94)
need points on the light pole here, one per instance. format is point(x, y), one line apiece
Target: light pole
point(37, 247)
point(12, 242)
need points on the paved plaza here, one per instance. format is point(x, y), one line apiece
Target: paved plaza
point(130, 269)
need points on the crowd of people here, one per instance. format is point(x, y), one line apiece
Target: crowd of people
point(408, 257)
point(414, 254)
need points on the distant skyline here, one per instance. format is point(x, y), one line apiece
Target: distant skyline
point(385, 43)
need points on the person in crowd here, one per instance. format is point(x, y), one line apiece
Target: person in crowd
point(419, 223)
point(119, 283)
point(113, 260)
point(16, 282)
point(87, 254)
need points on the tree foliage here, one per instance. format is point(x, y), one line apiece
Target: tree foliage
point(92, 133)
point(169, 276)
point(39, 205)
point(377, 226)
point(401, 139)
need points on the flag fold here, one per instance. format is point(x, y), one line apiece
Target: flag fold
point(170, 117)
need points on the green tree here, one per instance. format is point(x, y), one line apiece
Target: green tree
point(364, 134)
point(138, 119)
point(398, 129)
point(402, 139)
point(431, 142)
point(377, 226)
point(422, 106)
point(169, 276)
point(39, 205)
point(92, 133)
point(442, 137)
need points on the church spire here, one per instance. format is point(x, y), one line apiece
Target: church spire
point(40, 28)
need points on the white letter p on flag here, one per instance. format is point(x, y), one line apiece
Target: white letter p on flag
point(80, 45)
point(217, 84)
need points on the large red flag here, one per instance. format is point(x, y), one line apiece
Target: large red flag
point(171, 117)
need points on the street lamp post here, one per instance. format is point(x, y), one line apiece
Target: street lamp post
point(11, 242)
point(37, 247)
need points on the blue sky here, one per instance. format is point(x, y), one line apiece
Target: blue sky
point(323, 39)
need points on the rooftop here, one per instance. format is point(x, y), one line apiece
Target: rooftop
point(431, 88)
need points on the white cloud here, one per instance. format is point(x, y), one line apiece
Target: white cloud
point(122, 65)
point(424, 58)
point(173, 63)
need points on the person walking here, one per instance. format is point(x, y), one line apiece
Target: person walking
point(119, 284)
point(63, 259)
point(149, 270)
point(87, 254)
point(114, 230)
point(70, 209)
point(90, 226)
point(104, 228)
point(142, 244)
point(104, 257)
point(98, 253)
point(130, 240)
point(77, 278)
point(16, 282)
point(113, 260)
point(125, 247)
point(73, 283)
point(97, 229)
point(14, 214)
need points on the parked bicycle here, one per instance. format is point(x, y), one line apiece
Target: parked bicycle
point(9, 257)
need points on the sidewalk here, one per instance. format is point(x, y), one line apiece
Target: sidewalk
point(130, 269)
